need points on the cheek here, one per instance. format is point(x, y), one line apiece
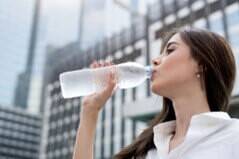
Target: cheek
point(178, 66)
point(173, 66)
point(178, 72)
point(173, 72)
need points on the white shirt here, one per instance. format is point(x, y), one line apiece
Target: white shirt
point(211, 135)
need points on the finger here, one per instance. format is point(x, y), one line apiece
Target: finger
point(115, 71)
point(113, 79)
point(97, 64)
point(93, 65)
point(108, 63)
point(105, 63)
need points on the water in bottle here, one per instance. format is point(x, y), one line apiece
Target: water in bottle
point(87, 81)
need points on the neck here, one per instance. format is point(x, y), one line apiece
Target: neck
point(185, 107)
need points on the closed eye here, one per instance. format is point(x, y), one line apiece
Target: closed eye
point(169, 51)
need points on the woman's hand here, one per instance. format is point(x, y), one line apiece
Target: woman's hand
point(94, 102)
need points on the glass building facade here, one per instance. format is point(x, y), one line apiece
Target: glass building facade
point(15, 19)
point(58, 25)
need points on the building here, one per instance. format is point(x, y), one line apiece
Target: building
point(20, 134)
point(62, 23)
point(58, 24)
point(125, 114)
point(16, 19)
point(24, 78)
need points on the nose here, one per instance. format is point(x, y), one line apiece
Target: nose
point(155, 62)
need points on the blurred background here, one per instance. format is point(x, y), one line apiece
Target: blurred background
point(39, 39)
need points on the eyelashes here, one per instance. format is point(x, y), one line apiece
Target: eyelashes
point(169, 51)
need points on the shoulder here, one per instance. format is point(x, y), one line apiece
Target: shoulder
point(233, 125)
point(232, 136)
point(227, 128)
point(152, 154)
point(231, 130)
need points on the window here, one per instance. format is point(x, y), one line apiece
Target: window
point(216, 22)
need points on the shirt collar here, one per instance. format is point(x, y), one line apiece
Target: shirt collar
point(202, 118)
point(209, 121)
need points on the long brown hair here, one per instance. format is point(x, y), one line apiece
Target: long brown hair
point(214, 54)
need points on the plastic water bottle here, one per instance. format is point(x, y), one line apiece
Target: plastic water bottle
point(87, 81)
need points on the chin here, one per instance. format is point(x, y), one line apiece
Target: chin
point(159, 89)
point(156, 89)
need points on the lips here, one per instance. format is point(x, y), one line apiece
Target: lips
point(152, 77)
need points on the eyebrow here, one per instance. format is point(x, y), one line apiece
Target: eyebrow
point(171, 44)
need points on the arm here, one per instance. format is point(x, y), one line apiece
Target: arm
point(92, 104)
point(86, 136)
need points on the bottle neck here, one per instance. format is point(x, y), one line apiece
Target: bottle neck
point(149, 70)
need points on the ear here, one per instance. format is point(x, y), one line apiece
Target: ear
point(200, 68)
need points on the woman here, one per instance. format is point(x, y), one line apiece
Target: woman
point(195, 73)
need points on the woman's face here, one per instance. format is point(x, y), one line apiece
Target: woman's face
point(175, 69)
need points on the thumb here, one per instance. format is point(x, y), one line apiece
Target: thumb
point(112, 84)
